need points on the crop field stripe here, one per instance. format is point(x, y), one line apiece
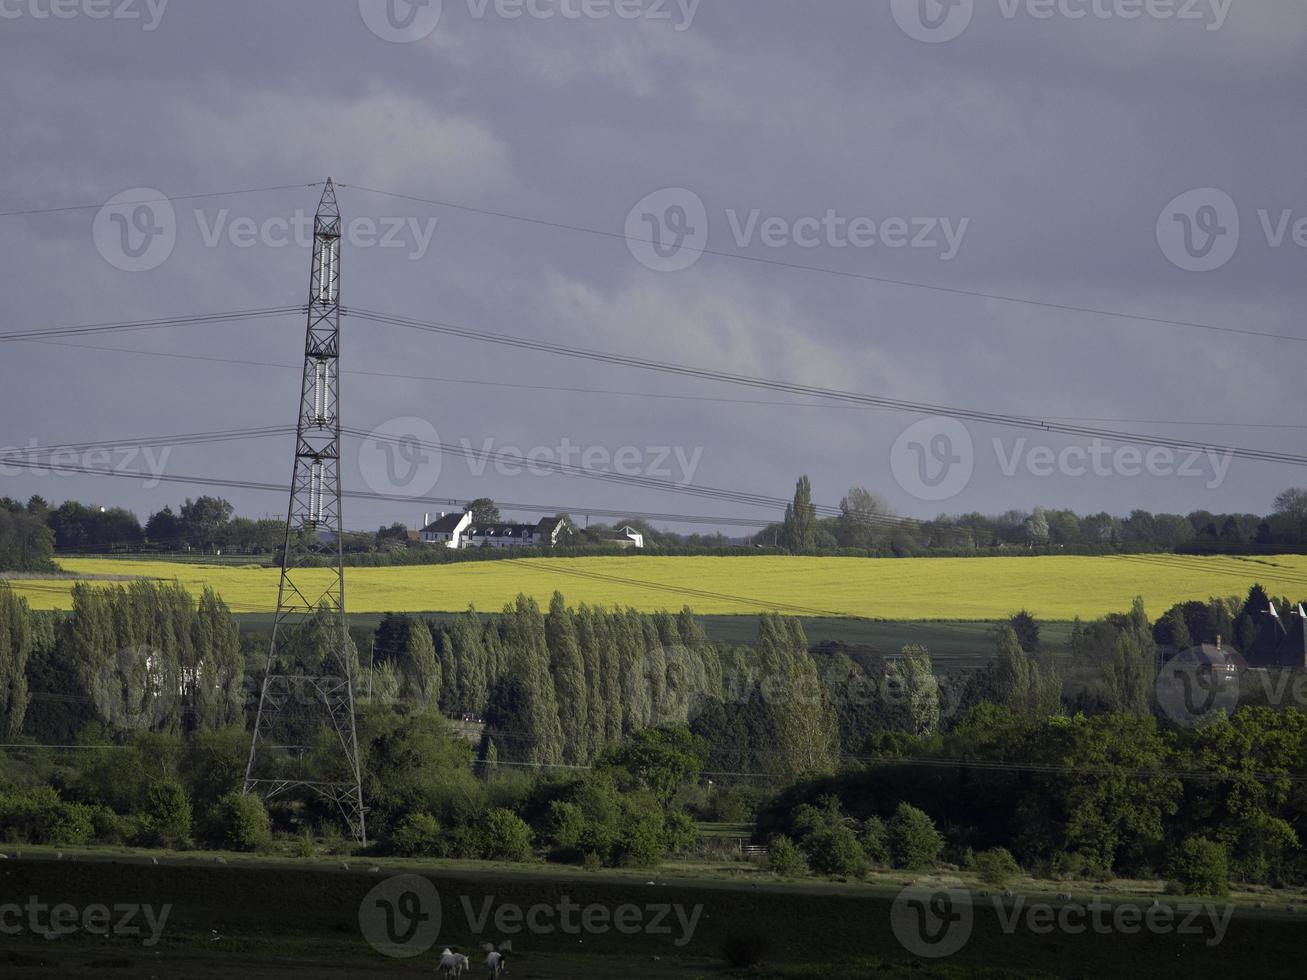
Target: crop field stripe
point(925, 590)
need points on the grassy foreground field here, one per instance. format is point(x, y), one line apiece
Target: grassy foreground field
point(902, 589)
point(265, 917)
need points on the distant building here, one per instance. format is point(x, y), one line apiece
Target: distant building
point(448, 529)
point(1279, 644)
point(459, 531)
point(545, 534)
point(625, 537)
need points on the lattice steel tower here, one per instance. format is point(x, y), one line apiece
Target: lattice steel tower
point(304, 734)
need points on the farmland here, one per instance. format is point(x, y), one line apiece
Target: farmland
point(905, 589)
point(262, 916)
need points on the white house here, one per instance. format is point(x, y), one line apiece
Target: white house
point(458, 531)
point(447, 530)
point(545, 534)
point(628, 537)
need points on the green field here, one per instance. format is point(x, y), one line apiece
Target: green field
point(268, 917)
point(898, 589)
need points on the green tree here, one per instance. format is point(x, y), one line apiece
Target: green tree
point(239, 822)
point(799, 530)
point(805, 727)
point(1021, 683)
point(785, 859)
point(523, 712)
point(1199, 867)
point(167, 814)
point(203, 521)
point(424, 669)
point(996, 867)
point(914, 692)
point(914, 843)
point(570, 688)
point(15, 649)
point(661, 759)
point(418, 835)
point(504, 836)
point(484, 511)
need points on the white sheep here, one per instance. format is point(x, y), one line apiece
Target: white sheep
point(448, 963)
point(495, 965)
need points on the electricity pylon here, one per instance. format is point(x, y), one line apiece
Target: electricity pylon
point(304, 733)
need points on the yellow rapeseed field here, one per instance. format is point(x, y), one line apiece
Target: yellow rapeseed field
point(891, 589)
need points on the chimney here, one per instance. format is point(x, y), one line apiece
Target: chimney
point(426, 520)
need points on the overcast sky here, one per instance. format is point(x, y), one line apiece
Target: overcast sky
point(1014, 150)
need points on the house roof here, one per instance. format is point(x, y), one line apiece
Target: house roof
point(1281, 640)
point(547, 525)
point(447, 524)
point(1209, 654)
point(501, 530)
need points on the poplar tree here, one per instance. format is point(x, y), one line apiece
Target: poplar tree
point(15, 648)
point(423, 667)
point(597, 707)
point(570, 689)
point(799, 530)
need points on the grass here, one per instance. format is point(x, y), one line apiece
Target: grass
point(261, 916)
point(905, 589)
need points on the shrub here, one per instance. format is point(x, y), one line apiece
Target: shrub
point(166, 819)
point(1199, 867)
point(41, 817)
point(1072, 865)
point(417, 835)
point(995, 867)
point(785, 859)
point(239, 822)
point(836, 851)
point(505, 837)
point(874, 836)
point(679, 832)
point(641, 840)
point(914, 843)
point(564, 825)
point(110, 828)
point(305, 845)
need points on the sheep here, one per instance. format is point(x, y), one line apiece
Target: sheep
point(460, 964)
point(495, 965)
point(448, 963)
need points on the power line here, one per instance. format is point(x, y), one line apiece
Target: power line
point(644, 482)
point(617, 392)
point(895, 404)
point(190, 439)
point(232, 484)
point(124, 326)
point(158, 200)
point(826, 270)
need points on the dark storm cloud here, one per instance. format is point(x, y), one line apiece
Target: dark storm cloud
point(1058, 140)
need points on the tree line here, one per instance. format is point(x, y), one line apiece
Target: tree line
point(866, 524)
